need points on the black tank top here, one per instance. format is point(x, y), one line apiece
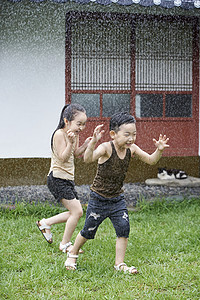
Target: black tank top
point(110, 175)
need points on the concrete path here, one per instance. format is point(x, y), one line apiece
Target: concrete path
point(187, 182)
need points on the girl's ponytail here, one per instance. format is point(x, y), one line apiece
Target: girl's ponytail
point(61, 124)
point(69, 111)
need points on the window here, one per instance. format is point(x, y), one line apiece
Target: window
point(149, 105)
point(106, 72)
point(178, 106)
point(163, 64)
point(163, 55)
point(100, 54)
point(100, 57)
point(154, 106)
point(113, 103)
point(90, 102)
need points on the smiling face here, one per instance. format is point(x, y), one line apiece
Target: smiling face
point(125, 136)
point(77, 124)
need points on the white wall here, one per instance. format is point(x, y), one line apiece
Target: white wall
point(32, 87)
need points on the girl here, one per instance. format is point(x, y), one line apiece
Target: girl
point(65, 145)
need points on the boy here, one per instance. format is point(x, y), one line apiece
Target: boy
point(106, 197)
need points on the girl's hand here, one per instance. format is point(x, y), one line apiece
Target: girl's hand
point(71, 136)
point(161, 144)
point(98, 133)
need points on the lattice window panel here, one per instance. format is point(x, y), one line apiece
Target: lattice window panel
point(100, 55)
point(163, 55)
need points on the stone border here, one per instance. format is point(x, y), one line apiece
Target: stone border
point(187, 182)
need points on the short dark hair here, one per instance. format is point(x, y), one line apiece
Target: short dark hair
point(119, 119)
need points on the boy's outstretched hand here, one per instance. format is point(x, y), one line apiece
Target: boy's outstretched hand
point(98, 133)
point(161, 144)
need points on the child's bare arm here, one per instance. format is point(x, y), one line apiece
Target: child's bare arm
point(80, 150)
point(153, 158)
point(64, 149)
point(91, 154)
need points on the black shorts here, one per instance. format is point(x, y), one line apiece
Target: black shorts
point(61, 188)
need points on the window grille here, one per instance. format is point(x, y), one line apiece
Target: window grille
point(100, 55)
point(163, 55)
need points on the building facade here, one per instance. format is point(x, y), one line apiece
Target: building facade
point(142, 59)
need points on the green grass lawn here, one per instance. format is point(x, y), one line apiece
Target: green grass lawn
point(164, 245)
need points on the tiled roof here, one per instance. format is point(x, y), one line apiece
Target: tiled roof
point(186, 4)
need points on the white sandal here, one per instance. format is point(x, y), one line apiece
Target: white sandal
point(42, 226)
point(71, 266)
point(65, 248)
point(129, 269)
